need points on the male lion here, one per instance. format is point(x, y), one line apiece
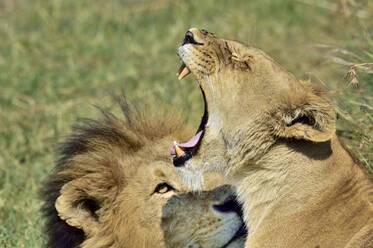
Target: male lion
point(274, 136)
point(114, 186)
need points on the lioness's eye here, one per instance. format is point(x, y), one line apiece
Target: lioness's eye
point(163, 188)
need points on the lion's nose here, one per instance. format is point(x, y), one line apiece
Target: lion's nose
point(229, 205)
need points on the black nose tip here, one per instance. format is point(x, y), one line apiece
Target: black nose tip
point(229, 205)
point(189, 38)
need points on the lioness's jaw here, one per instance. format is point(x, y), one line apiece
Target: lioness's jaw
point(192, 178)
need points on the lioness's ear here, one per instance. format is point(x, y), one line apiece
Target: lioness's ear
point(77, 208)
point(308, 115)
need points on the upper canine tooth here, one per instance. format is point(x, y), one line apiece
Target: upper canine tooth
point(184, 72)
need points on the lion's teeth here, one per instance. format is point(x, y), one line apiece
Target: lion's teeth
point(179, 151)
point(183, 73)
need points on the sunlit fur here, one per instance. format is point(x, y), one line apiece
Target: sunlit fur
point(101, 193)
point(274, 137)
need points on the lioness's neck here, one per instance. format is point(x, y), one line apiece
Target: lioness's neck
point(294, 175)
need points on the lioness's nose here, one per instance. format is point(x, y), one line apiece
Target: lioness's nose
point(192, 36)
point(189, 38)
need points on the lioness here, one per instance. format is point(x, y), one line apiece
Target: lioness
point(115, 186)
point(274, 137)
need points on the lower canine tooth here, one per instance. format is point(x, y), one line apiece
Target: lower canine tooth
point(179, 151)
point(183, 73)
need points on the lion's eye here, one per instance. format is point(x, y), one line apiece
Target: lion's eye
point(163, 188)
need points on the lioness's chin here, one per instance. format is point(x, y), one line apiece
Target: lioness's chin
point(191, 177)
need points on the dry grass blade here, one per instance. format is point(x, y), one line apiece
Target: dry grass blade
point(365, 67)
point(338, 55)
point(347, 8)
point(351, 76)
point(344, 57)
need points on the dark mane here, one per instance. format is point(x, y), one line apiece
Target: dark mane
point(130, 133)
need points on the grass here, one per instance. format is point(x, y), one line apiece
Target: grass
point(59, 58)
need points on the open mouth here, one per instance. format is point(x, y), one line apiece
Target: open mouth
point(182, 152)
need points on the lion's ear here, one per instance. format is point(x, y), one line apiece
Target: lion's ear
point(77, 207)
point(309, 116)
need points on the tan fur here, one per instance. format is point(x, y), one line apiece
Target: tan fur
point(102, 193)
point(274, 137)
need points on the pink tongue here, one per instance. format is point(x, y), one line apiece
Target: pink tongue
point(189, 144)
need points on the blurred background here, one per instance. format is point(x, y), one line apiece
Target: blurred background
point(61, 58)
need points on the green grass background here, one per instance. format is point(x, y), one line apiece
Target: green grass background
point(59, 58)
